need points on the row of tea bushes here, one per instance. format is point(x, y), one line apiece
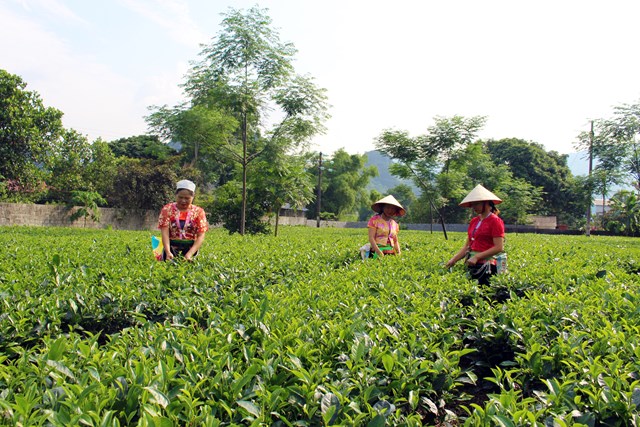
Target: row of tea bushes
point(298, 330)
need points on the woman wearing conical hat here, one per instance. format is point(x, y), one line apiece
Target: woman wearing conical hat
point(383, 229)
point(485, 235)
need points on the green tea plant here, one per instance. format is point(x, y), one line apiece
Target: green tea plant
point(298, 330)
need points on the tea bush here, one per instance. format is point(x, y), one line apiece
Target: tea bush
point(298, 330)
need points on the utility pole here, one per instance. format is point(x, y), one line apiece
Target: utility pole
point(319, 190)
point(588, 231)
point(431, 219)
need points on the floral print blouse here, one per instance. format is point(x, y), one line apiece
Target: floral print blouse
point(183, 227)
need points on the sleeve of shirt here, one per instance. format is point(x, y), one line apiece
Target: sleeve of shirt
point(497, 228)
point(165, 216)
point(373, 222)
point(200, 221)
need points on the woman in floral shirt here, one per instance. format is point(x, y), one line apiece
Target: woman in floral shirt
point(383, 230)
point(182, 224)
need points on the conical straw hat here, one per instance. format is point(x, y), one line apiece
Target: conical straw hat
point(388, 200)
point(479, 194)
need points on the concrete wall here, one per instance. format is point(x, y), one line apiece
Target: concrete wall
point(131, 219)
point(59, 216)
point(363, 224)
point(542, 226)
point(546, 222)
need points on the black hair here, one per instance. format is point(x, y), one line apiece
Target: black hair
point(382, 205)
point(493, 207)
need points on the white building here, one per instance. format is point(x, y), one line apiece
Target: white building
point(597, 207)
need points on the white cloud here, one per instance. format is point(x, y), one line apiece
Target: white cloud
point(171, 15)
point(164, 87)
point(60, 10)
point(539, 70)
point(95, 100)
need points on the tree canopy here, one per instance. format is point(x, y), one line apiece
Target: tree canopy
point(142, 147)
point(245, 100)
point(29, 132)
point(243, 136)
point(548, 170)
point(344, 182)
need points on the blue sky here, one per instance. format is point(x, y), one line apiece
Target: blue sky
point(540, 70)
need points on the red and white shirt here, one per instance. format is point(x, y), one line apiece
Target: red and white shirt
point(482, 231)
point(186, 225)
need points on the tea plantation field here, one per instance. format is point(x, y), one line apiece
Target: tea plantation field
point(297, 330)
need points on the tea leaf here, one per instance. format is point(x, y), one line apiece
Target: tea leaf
point(250, 407)
point(159, 397)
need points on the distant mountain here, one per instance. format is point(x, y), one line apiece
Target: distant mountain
point(384, 181)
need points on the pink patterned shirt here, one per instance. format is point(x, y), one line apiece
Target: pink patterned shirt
point(386, 231)
point(194, 224)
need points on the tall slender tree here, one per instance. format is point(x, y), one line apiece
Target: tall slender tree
point(427, 158)
point(248, 72)
point(623, 130)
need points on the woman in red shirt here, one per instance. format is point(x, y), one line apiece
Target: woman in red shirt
point(182, 224)
point(485, 235)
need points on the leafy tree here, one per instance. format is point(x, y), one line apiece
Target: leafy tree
point(608, 157)
point(450, 135)
point(87, 202)
point(200, 130)
point(28, 135)
point(427, 159)
point(68, 166)
point(141, 147)
point(22, 190)
point(226, 209)
point(142, 185)
point(443, 141)
point(577, 203)
point(248, 73)
point(624, 216)
point(624, 131)
point(549, 170)
point(283, 179)
point(415, 161)
point(344, 181)
point(278, 179)
point(423, 209)
point(469, 167)
point(102, 168)
point(80, 166)
point(615, 146)
point(601, 181)
point(203, 133)
point(519, 199)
